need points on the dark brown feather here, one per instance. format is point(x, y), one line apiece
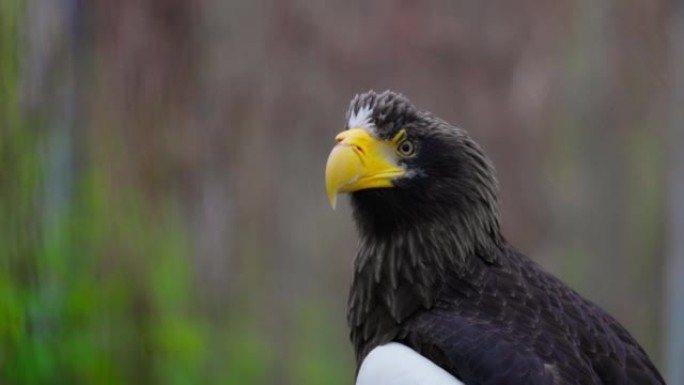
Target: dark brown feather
point(434, 273)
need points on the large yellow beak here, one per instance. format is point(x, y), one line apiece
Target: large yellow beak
point(359, 162)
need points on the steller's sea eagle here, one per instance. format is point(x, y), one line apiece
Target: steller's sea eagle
point(438, 295)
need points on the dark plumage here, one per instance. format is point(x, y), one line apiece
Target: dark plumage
point(433, 272)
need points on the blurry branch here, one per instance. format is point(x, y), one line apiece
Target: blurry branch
point(675, 264)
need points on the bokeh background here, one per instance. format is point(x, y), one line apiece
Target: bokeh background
point(163, 218)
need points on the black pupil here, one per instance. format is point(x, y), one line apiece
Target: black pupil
point(406, 147)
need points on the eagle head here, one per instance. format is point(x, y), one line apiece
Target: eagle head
point(406, 168)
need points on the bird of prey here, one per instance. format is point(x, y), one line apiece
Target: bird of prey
point(438, 295)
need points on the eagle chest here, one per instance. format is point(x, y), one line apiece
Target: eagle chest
point(384, 294)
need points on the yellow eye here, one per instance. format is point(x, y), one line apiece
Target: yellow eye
point(406, 148)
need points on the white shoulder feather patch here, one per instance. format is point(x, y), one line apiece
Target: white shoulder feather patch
point(397, 364)
point(362, 119)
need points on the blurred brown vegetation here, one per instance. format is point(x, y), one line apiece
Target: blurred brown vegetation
point(163, 169)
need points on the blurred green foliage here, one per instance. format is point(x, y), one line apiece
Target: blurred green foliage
point(82, 316)
point(70, 311)
point(100, 297)
point(103, 292)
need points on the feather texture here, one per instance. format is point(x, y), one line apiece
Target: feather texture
point(434, 274)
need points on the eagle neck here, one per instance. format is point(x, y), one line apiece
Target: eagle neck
point(397, 274)
point(426, 250)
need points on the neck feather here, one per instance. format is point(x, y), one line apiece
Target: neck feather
point(398, 273)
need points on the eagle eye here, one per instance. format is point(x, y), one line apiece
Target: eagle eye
point(406, 148)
